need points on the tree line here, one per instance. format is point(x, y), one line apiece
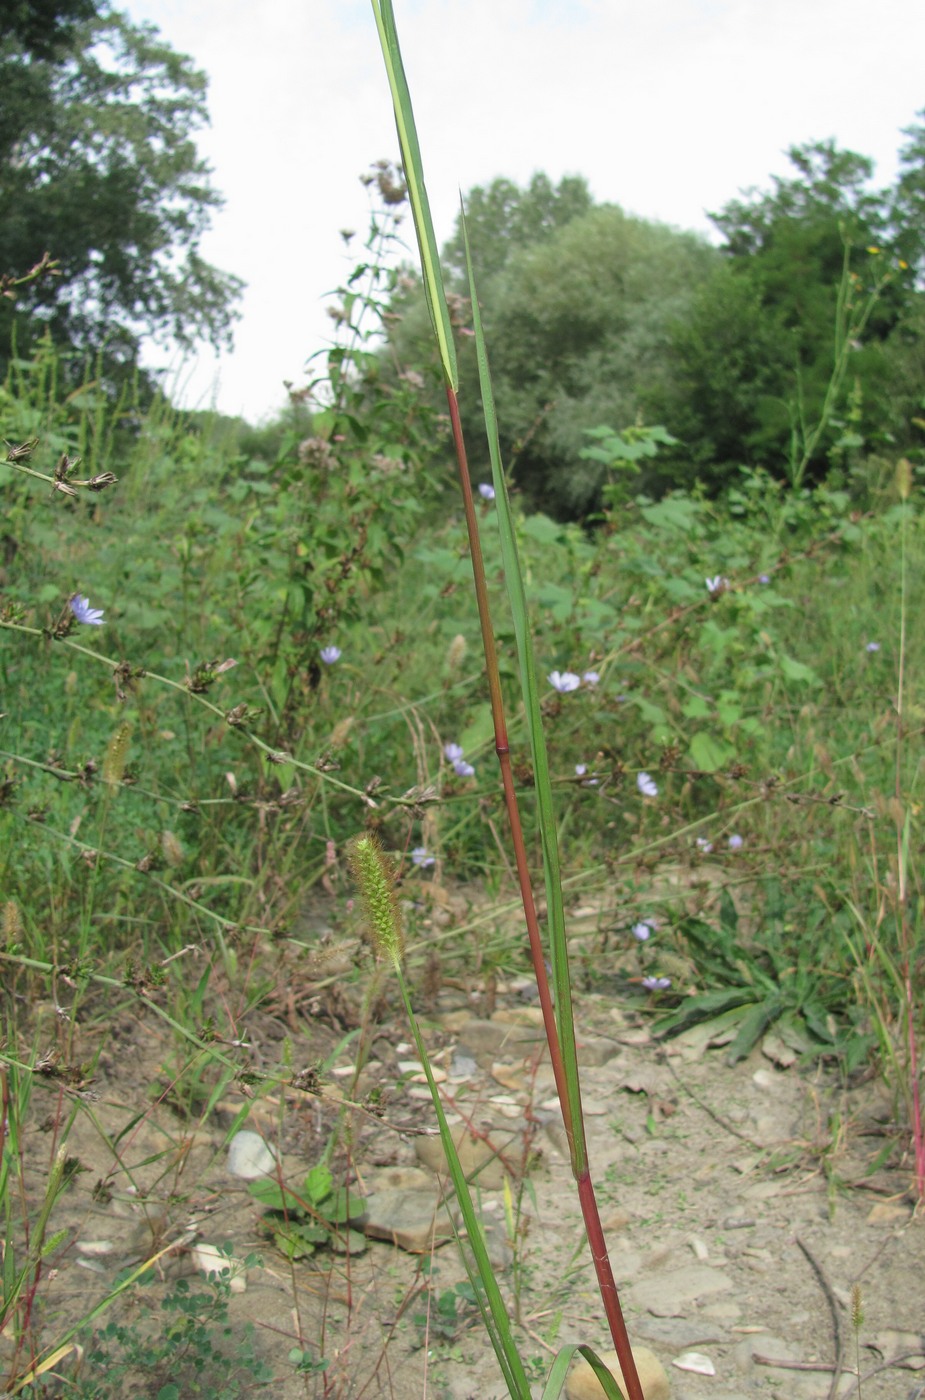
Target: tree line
point(795, 344)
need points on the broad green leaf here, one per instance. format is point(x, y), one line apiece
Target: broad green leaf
point(754, 1024)
point(318, 1184)
point(709, 753)
point(703, 1008)
point(797, 671)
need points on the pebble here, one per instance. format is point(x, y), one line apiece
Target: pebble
point(250, 1157)
point(406, 1218)
point(462, 1066)
point(696, 1362)
point(481, 1161)
point(678, 1332)
point(670, 1294)
point(885, 1213)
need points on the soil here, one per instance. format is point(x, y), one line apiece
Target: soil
point(742, 1203)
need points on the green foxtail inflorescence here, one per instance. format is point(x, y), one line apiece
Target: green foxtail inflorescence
point(117, 754)
point(375, 877)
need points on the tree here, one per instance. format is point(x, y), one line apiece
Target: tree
point(811, 294)
point(577, 302)
point(44, 27)
point(907, 209)
point(578, 327)
point(503, 219)
point(98, 167)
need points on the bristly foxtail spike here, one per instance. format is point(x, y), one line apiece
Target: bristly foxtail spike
point(375, 879)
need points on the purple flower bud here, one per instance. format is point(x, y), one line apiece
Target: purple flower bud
point(330, 654)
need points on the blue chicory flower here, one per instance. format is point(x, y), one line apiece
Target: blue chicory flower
point(420, 858)
point(872, 646)
point(735, 842)
point(452, 752)
point(646, 785)
point(580, 770)
point(704, 845)
point(463, 769)
point(764, 578)
point(656, 984)
point(716, 585)
point(590, 677)
point(80, 607)
point(564, 681)
point(486, 491)
point(644, 930)
point(330, 654)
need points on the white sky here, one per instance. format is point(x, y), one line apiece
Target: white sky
point(668, 108)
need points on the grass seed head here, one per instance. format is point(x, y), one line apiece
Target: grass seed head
point(375, 877)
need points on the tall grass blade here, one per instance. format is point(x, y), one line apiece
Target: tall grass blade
point(417, 192)
point(555, 1381)
point(491, 1304)
point(513, 577)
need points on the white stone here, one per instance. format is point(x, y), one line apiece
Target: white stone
point(212, 1261)
point(249, 1156)
point(695, 1361)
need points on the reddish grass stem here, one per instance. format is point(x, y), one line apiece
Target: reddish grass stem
point(590, 1213)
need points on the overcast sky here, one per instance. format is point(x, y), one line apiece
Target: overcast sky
point(668, 107)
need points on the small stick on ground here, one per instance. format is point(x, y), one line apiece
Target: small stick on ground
point(836, 1316)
